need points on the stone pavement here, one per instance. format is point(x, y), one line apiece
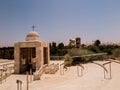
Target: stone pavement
point(92, 79)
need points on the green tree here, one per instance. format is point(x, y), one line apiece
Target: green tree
point(60, 46)
point(97, 43)
point(53, 48)
point(60, 49)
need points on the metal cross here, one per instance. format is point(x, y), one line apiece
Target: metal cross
point(33, 27)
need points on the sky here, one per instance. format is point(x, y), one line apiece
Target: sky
point(60, 20)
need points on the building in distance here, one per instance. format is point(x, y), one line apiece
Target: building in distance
point(75, 43)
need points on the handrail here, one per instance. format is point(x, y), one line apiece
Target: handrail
point(107, 63)
point(82, 68)
point(105, 69)
point(61, 64)
point(89, 55)
point(109, 70)
point(61, 73)
point(64, 67)
point(116, 61)
point(100, 66)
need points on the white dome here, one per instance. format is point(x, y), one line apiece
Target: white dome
point(32, 36)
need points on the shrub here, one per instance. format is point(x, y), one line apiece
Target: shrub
point(116, 52)
point(78, 60)
point(94, 49)
point(84, 56)
point(67, 60)
point(78, 52)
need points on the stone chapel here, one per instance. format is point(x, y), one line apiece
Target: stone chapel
point(31, 53)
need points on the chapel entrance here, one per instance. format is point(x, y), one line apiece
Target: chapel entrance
point(27, 59)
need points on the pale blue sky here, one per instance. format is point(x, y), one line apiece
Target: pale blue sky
point(60, 20)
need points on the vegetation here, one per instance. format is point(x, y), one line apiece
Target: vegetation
point(68, 60)
point(7, 53)
point(58, 51)
point(116, 53)
point(97, 43)
point(84, 56)
point(78, 52)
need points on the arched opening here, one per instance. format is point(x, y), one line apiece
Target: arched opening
point(26, 59)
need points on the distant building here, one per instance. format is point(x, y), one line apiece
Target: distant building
point(78, 42)
point(75, 42)
point(72, 43)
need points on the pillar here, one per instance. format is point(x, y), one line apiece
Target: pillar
point(16, 57)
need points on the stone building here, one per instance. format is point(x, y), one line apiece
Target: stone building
point(75, 42)
point(72, 43)
point(78, 42)
point(31, 53)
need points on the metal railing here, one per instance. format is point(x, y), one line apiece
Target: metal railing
point(105, 69)
point(56, 57)
point(80, 67)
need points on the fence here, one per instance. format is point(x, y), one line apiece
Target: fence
point(56, 57)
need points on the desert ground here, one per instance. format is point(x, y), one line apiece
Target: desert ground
point(92, 79)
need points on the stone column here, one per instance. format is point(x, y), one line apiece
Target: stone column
point(17, 58)
point(42, 58)
point(38, 57)
point(48, 53)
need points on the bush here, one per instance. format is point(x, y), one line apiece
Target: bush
point(116, 52)
point(94, 49)
point(67, 60)
point(86, 59)
point(96, 58)
point(83, 56)
point(79, 52)
point(78, 60)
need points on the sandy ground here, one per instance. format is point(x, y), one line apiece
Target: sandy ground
point(92, 79)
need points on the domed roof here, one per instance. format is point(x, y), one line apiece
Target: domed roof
point(32, 36)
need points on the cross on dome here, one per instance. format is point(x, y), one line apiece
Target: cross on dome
point(33, 27)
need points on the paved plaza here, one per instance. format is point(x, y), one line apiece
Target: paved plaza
point(92, 79)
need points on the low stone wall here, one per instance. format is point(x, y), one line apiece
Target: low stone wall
point(39, 72)
point(52, 68)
